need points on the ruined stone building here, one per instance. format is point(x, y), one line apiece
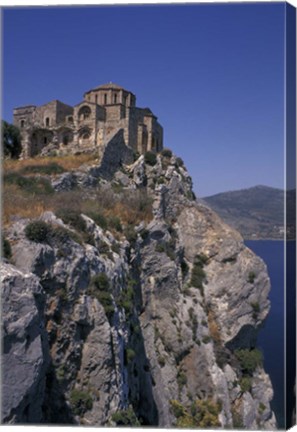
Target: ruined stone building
point(89, 125)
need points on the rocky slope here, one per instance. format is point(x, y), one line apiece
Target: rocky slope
point(157, 327)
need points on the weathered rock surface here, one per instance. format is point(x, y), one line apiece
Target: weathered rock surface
point(25, 355)
point(175, 304)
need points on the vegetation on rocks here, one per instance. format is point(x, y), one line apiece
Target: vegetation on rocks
point(249, 359)
point(100, 288)
point(6, 248)
point(198, 274)
point(201, 414)
point(38, 231)
point(126, 417)
point(150, 158)
point(81, 401)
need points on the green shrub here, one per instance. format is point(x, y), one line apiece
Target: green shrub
point(179, 162)
point(38, 231)
point(80, 401)
point(184, 268)
point(150, 158)
point(126, 297)
point(206, 339)
point(251, 277)
point(181, 379)
point(100, 289)
point(115, 223)
point(177, 408)
point(166, 153)
point(51, 168)
point(130, 354)
point(144, 233)
point(103, 248)
point(73, 218)
point(249, 359)
point(198, 274)
point(201, 414)
point(116, 248)
point(125, 417)
point(99, 219)
point(6, 248)
point(100, 282)
point(256, 307)
point(131, 234)
point(61, 235)
point(160, 248)
point(245, 384)
point(31, 185)
point(161, 361)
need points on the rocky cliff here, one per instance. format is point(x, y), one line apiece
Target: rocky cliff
point(152, 323)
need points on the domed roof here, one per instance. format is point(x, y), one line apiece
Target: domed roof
point(108, 86)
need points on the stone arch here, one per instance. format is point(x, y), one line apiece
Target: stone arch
point(39, 139)
point(65, 136)
point(84, 135)
point(84, 112)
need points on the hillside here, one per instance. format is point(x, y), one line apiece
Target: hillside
point(257, 212)
point(125, 301)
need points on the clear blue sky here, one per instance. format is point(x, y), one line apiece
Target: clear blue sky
point(212, 73)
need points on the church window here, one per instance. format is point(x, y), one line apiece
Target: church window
point(84, 113)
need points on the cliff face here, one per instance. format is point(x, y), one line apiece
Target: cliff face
point(157, 325)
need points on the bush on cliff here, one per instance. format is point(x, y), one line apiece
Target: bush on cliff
point(166, 153)
point(150, 158)
point(198, 274)
point(6, 248)
point(80, 401)
point(99, 288)
point(38, 231)
point(249, 359)
point(125, 417)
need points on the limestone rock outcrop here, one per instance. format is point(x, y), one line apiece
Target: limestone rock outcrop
point(137, 329)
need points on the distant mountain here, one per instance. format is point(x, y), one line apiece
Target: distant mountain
point(257, 212)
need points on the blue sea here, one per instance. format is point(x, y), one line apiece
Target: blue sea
point(271, 338)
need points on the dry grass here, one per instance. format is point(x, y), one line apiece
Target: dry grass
point(130, 208)
point(16, 203)
point(69, 162)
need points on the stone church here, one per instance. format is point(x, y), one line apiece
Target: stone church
point(89, 125)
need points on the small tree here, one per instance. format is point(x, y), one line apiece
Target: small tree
point(11, 140)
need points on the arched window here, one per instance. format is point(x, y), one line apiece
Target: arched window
point(22, 123)
point(84, 113)
point(47, 121)
point(65, 140)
